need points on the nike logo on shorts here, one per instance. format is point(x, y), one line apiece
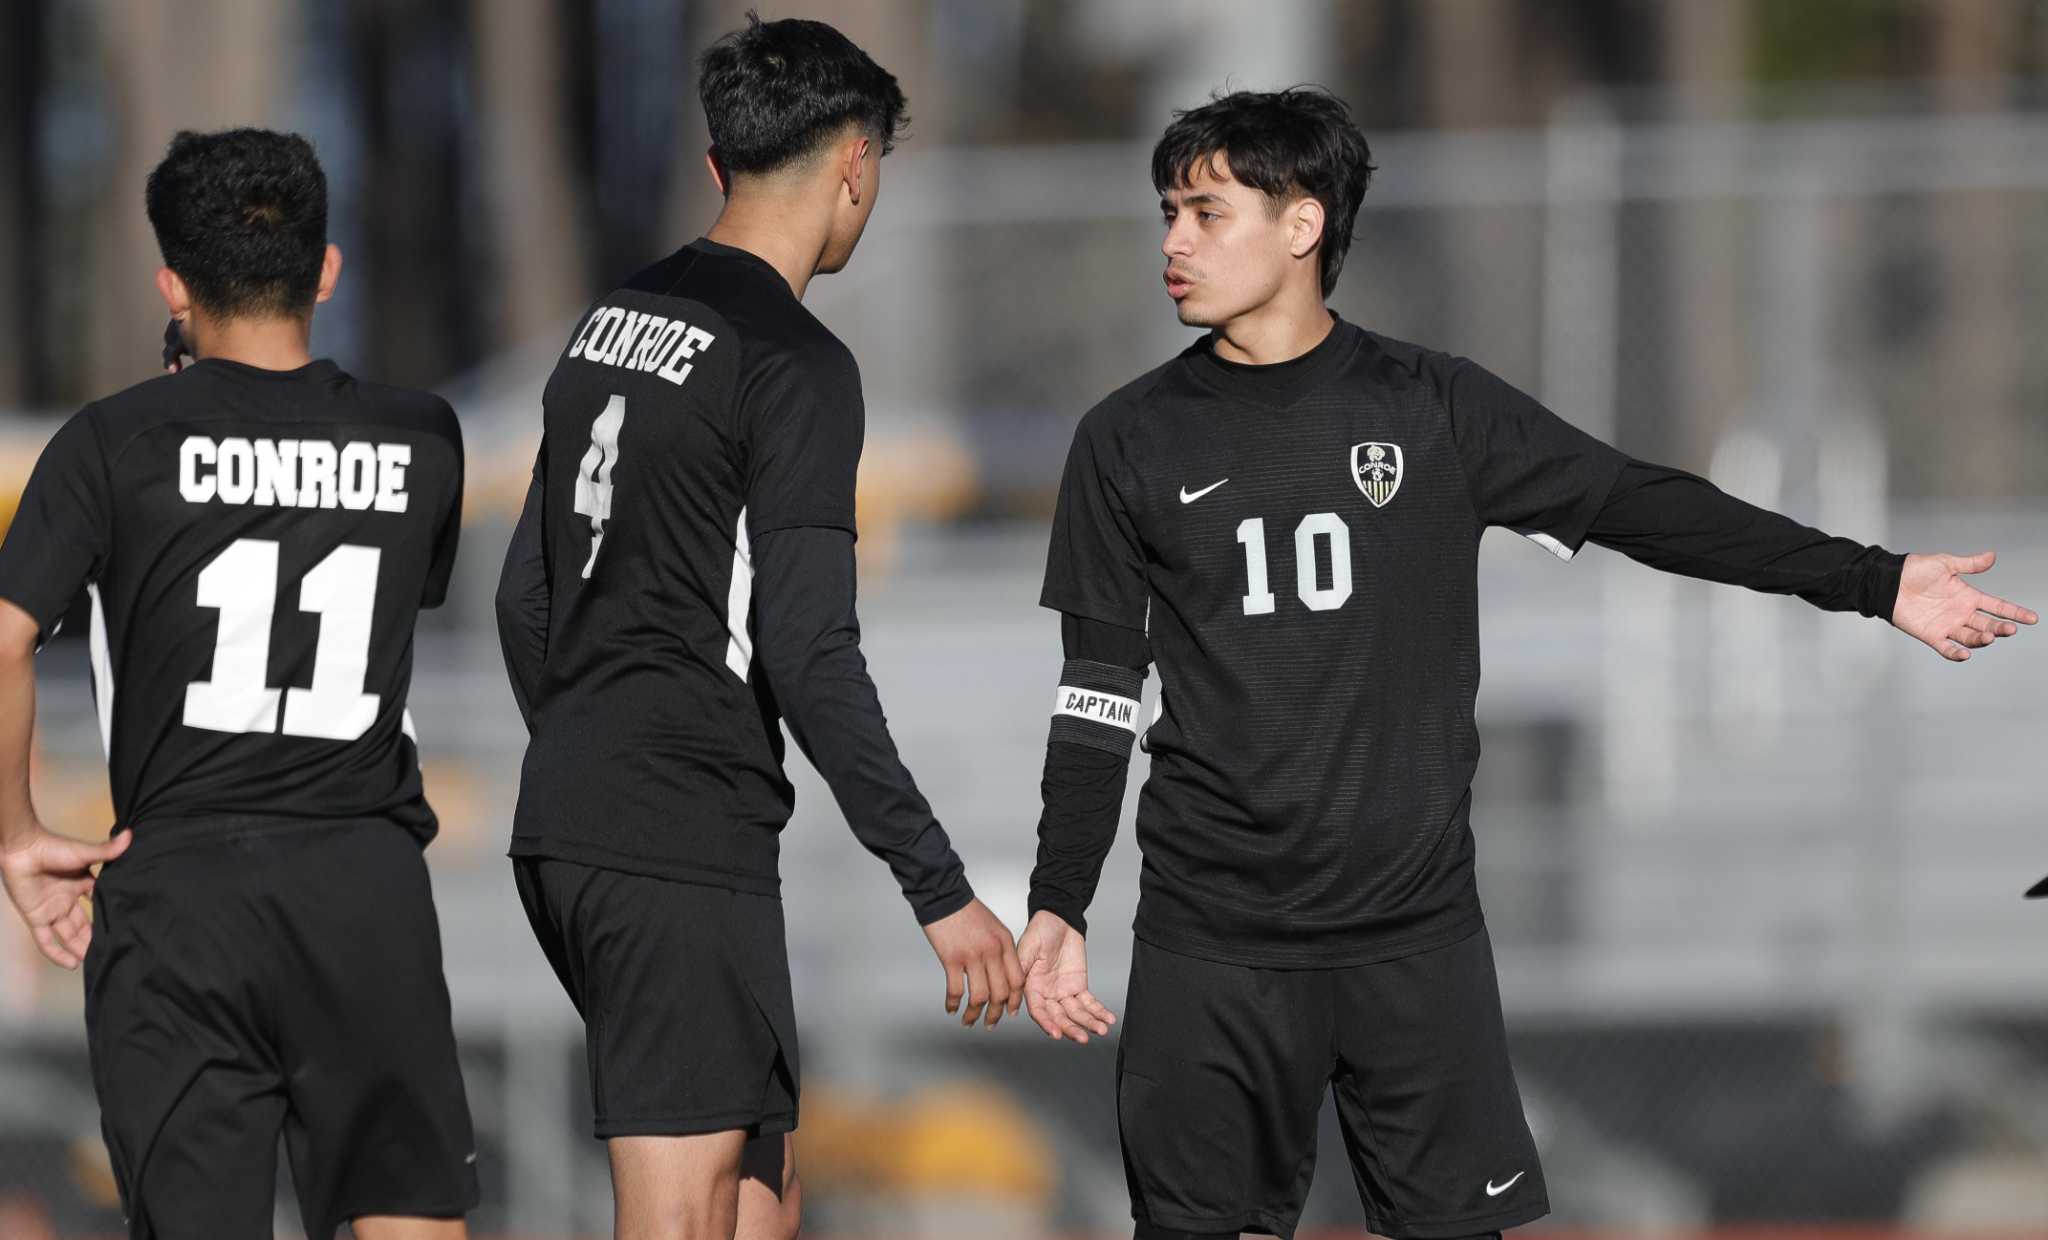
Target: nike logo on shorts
point(1492, 1191)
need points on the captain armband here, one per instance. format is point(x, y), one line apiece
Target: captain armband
point(1097, 706)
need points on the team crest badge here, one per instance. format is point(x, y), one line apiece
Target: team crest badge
point(1376, 468)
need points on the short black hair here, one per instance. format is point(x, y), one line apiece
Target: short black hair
point(774, 91)
point(241, 216)
point(1297, 142)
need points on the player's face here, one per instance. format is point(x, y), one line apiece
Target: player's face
point(1226, 253)
point(860, 166)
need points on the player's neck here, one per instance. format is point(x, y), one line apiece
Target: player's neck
point(778, 233)
point(265, 343)
point(1281, 330)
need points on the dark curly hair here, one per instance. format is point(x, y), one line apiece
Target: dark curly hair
point(774, 91)
point(1297, 142)
point(241, 216)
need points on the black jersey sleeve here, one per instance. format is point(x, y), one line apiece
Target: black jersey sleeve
point(1681, 523)
point(1528, 469)
point(62, 529)
point(524, 598)
point(1082, 789)
point(802, 421)
point(808, 643)
point(1095, 567)
point(449, 537)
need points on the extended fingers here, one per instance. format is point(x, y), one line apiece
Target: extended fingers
point(2005, 609)
point(74, 928)
point(999, 991)
point(1971, 636)
point(956, 985)
point(1052, 1017)
point(977, 992)
point(53, 947)
point(1013, 969)
point(1079, 1012)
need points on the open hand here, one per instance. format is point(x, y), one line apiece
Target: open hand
point(980, 962)
point(1055, 960)
point(49, 877)
point(1952, 616)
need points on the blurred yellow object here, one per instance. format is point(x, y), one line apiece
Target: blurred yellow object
point(93, 1173)
point(956, 1139)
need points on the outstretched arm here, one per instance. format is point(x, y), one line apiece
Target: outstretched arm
point(1681, 523)
point(809, 648)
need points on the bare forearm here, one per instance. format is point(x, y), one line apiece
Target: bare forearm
point(17, 727)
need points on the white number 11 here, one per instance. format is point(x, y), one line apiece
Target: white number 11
point(241, 584)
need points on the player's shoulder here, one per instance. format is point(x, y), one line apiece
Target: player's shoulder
point(409, 408)
point(750, 301)
point(1402, 359)
point(1143, 398)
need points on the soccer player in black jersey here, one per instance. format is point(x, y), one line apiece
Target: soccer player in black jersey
point(681, 584)
point(1286, 519)
point(256, 534)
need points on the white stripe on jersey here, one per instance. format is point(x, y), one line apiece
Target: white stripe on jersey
point(102, 671)
point(739, 596)
point(1548, 543)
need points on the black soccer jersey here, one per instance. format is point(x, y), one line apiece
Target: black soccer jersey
point(1301, 543)
point(694, 410)
point(256, 546)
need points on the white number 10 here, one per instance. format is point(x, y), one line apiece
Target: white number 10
point(241, 584)
point(1258, 598)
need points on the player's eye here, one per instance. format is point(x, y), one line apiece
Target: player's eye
point(1207, 216)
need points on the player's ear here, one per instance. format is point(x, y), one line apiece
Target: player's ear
point(853, 170)
point(330, 271)
point(1306, 227)
point(718, 173)
point(171, 286)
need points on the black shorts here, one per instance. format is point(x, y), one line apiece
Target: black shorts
point(684, 993)
point(287, 980)
point(1221, 1072)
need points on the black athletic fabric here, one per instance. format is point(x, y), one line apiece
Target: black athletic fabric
point(1309, 798)
point(257, 545)
point(684, 993)
point(1082, 789)
point(1222, 1070)
point(275, 980)
point(1682, 523)
point(1309, 791)
point(683, 581)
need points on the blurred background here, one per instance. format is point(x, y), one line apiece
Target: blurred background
point(1753, 872)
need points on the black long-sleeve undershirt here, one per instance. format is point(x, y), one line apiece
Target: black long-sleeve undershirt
point(1663, 517)
point(1082, 788)
point(1681, 523)
point(808, 642)
point(522, 604)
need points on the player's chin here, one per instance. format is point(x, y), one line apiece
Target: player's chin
point(1192, 314)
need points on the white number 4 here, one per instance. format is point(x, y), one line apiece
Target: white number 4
point(241, 584)
point(594, 474)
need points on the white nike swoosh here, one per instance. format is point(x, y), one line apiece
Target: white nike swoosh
point(1187, 497)
point(1491, 1191)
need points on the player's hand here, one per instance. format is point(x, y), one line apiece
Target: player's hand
point(49, 877)
point(1952, 616)
point(980, 962)
point(1055, 960)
